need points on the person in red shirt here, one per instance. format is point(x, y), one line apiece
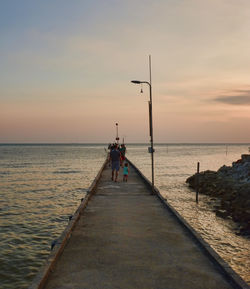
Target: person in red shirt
point(115, 162)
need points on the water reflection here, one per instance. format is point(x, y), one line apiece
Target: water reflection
point(172, 166)
point(42, 185)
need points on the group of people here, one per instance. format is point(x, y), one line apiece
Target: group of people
point(116, 159)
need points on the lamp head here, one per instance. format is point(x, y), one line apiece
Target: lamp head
point(136, 81)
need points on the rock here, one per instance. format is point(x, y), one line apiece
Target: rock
point(225, 204)
point(231, 185)
point(245, 158)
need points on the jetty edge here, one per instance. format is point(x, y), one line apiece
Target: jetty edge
point(224, 269)
point(42, 276)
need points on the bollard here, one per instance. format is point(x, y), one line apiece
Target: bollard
point(197, 182)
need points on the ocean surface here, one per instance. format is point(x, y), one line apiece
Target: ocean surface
point(42, 185)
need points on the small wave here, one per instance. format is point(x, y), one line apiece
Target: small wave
point(174, 175)
point(19, 166)
point(66, 172)
point(7, 214)
point(4, 173)
point(78, 190)
point(59, 219)
point(38, 190)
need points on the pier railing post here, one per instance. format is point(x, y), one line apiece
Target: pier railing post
point(197, 182)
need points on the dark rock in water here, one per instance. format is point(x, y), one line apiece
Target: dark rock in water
point(245, 158)
point(231, 185)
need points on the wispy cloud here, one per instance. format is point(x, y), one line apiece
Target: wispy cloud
point(240, 97)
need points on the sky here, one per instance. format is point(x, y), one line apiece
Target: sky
point(66, 69)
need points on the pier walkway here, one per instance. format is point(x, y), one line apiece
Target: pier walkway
point(127, 238)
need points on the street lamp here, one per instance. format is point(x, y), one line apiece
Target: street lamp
point(117, 137)
point(150, 149)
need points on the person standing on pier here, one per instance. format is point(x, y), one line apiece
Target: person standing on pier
point(125, 172)
point(122, 151)
point(115, 160)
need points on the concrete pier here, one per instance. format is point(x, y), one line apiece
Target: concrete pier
point(127, 238)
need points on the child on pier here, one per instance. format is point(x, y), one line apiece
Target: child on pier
point(125, 172)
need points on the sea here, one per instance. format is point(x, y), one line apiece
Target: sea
point(41, 186)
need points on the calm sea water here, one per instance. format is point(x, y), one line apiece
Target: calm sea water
point(42, 185)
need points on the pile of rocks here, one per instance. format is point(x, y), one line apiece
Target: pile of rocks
point(231, 185)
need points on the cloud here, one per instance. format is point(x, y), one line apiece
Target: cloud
point(242, 97)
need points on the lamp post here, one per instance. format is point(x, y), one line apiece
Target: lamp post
point(151, 148)
point(117, 137)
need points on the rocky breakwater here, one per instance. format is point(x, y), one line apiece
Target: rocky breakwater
point(230, 185)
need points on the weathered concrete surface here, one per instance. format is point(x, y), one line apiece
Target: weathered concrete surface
point(127, 239)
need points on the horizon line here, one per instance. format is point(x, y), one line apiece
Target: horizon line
point(130, 143)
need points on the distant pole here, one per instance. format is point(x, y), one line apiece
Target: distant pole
point(197, 182)
point(150, 75)
point(117, 137)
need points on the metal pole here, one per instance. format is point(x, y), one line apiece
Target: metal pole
point(151, 123)
point(117, 137)
point(150, 79)
point(151, 148)
point(197, 183)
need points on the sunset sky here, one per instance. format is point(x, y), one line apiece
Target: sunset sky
point(66, 67)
